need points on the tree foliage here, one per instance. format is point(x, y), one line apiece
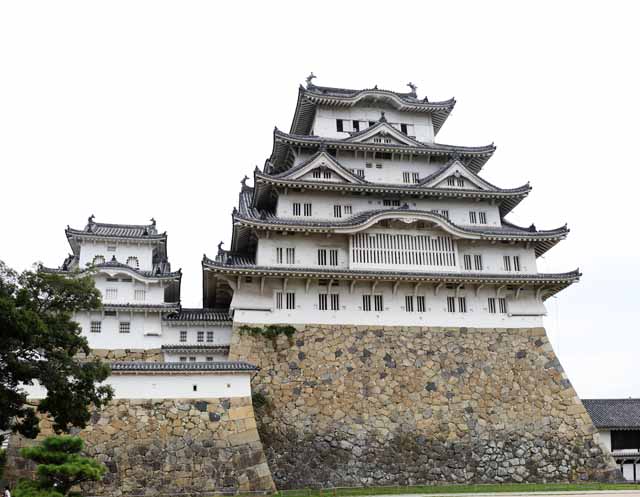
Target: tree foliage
point(60, 468)
point(39, 343)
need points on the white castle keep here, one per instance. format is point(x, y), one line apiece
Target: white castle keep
point(360, 217)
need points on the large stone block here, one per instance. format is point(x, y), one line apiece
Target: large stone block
point(366, 405)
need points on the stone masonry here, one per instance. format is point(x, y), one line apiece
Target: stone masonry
point(358, 405)
point(163, 446)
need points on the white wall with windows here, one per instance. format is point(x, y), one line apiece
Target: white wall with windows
point(195, 357)
point(418, 125)
point(196, 334)
point(166, 385)
point(121, 329)
point(138, 255)
point(123, 288)
point(275, 251)
point(323, 207)
point(370, 303)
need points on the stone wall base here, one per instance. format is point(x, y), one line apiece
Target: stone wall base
point(357, 405)
point(163, 446)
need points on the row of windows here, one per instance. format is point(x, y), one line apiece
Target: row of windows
point(301, 209)
point(408, 177)
point(453, 181)
point(193, 359)
point(322, 173)
point(348, 125)
point(131, 261)
point(476, 217)
point(325, 256)
point(375, 302)
point(112, 294)
point(184, 336)
point(124, 327)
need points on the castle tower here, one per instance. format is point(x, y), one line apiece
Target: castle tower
point(418, 305)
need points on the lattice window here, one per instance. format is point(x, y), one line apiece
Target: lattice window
point(406, 177)
point(96, 326)
point(358, 172)
point(296, 208)
point(451, 304)
point(420, 300)
point(335, 301)
point(408, 303)
point(317, 173)
point(507, 262)
point(278, 300)
point(111, 294)
point(333, 257)
point(209, 358)
point(139, 294)
point(403, 250)
point(482, 217)
point(326, 174)
point(98, 259)
point(477, 262)
point(378, 303)
point(125, 327)
point(492, 305)
point(415, 177)
point(291, 255)
point(451, 181)
point(387, 202)
point(279, 258)
point(516, 263)
point(366, 302)
point(200, 337)
point(291, 300)
point(322, 301)
point(183, 336)
point(133, 262)
point(460, 181)
point(210, 336)
point(467, 262)
point(462, 304)
point(307, 210)
point(183, 358)
point(322, 257)
point(473, 217)
point(348, 210)
point(192, 358)
point(502, 304)
point(337, 211)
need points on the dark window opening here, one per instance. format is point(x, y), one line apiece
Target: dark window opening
point(356, 125)
point(625, 439)
point(403, 128)
point(339, 125)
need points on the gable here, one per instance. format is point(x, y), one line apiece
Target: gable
point(383, 133)
point(457, 176)
point(323, 167)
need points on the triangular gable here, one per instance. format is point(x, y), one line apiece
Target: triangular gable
point(382, 133)
point(322, 162)
point(457, 170)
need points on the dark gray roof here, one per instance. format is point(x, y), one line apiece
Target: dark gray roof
point(118, 230)
point(474, 157)
point(200, 315)
point(231, 366)
point(114, 264)
point(614, 413)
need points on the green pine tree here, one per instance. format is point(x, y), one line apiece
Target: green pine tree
point(60, 468)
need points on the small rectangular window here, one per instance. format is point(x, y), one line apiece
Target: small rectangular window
point(420, 300)
point(492, 305)
point(415, 177)
point(483, 217)
point(502, 303)
point(291, 300)
point(333, 257)
point(408, 303)
point(451, 181)
point(96, 326)
point(110, 313)
point(296, 208)
point(322, 257)
point(111, 248)
point(477, 261)
point(377, 303)
point(403, 128)
point(317, 173)
point(391, 202)
point(200, 336)
point(291, 255)
point(339, 126)
point(368, 165)
point(112, 293)
point(467, 262)
point(507, 262)
point(516, 263)
point(406, 177)
point(183, 359)
point(209, 359)
point(279, 255)
point(366, 302)
point(210, 336)
point(473, 218)
point(278, 300)
point(358, 172)
point(183, 336)
point(307, 210)
point(192, 359)
point(335, 301)
point(326, 174)
point(111, 279)
point(462, 304)
point(337, 211)
point(460, 181)
point(451, 304)
point(322, 301)
point(125, 327)
point(139, 294)
point(371, 123)
point(356, 126)
point(378, 166)
point(348, 210)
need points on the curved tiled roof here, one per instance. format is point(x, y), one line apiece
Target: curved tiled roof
point(181, 347)
point(312, 96)
point(118, 230)
point(200, 315)
point(183, 367)
point(113, 264)
point(621, 414)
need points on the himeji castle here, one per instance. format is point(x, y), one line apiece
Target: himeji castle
point(359, 216)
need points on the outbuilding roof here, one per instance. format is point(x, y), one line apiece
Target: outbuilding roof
point(614, 414)
point(200, 315)
point(184, 367)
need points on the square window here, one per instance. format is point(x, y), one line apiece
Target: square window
point(96, 326)
point(183, 336)
point(125, 327)
point(209, 336)
point(200, 336)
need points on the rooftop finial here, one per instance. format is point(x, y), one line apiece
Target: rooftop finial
point(413, 88)
point(220, 247)
point(382, 118)
point(323, 146)
point(310, 79)
point(91, 218)
point(244, 181)
point(153, 222)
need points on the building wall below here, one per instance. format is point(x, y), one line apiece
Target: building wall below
point(383, 405)
point(165, 446)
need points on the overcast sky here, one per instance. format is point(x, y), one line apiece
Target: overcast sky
point(133, 109)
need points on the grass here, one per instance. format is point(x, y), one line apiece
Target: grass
point(458, 489)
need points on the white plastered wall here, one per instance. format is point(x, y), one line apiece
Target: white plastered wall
point(143, 251)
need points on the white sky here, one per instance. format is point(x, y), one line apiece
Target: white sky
point(133, 109)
